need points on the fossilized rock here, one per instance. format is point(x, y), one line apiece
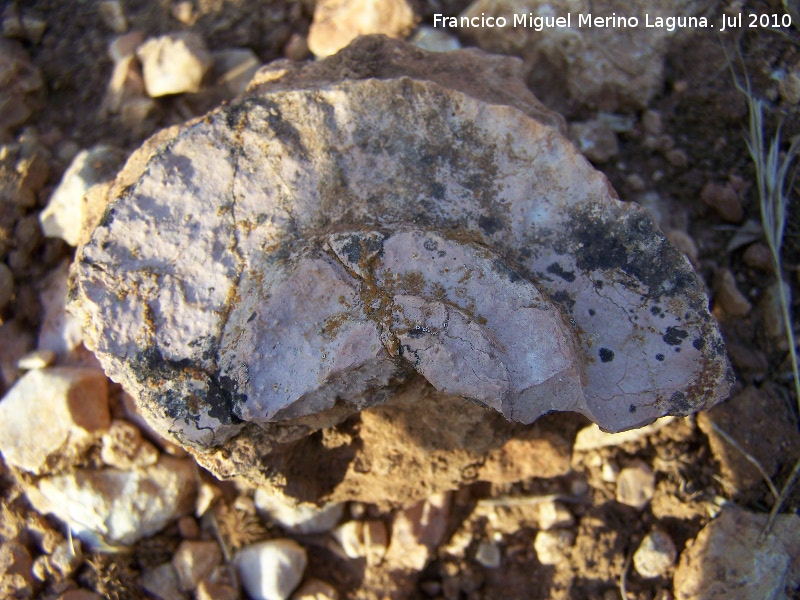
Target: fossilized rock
point(297, 255)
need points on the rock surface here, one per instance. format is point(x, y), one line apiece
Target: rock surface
point(271, 570)
point(636, 485)
point(727, 560)
point(337, 23)
point(302, 518)
point(655, 555)
point(174, 64)
point(67, 208)
point(609, 67)
point(51, 415)
point(405, 258)
point(113, 507)
point(193, 561)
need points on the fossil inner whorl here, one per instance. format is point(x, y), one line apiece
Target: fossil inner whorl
point(354, 317)
point(306, 246)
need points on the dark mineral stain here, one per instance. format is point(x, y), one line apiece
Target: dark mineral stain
point(564, 299)
point(352, 250)
point(631, 243)
point(437, 190)
point(632, 408)
point(606, 355)
point(150, 367)
point(107, 217)
point(490, 225)
point(591, 312)
point(681, 404)
point(502, 269)
point(558, 270)
point(674, 336)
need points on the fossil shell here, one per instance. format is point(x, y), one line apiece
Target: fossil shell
point(349, 223)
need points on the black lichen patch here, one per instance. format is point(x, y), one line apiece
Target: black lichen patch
point(606, 355)
point(655, 311)
point(558, 270)
point(681, 404)
point(431, 245)
point(660, 357)
point(151, 368)
point(223, 398)
point(499, 267)
point(108, 217)
point(632, 244)
point(699, 343)
point(437, 190)
point(259, 108)
point(632, 408)
point(564, 299)
point(591, 312)
point(490, 225)
point(352, 250)
point(675, 336)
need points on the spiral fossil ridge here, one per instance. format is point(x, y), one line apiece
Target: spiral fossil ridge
point(334, 231)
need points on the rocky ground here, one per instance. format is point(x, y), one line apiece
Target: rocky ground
point(561, 510)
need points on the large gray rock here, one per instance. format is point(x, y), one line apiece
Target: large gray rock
point(295, 256)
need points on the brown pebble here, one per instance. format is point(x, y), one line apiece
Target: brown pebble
point(296, 48)
point(723, 199)
point(677, 158)
point(758, 256)
point(188, 528)
point(728, 296)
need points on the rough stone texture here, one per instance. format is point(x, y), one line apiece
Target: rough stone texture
point(326, 247)
point(609, 68)
point(655, 555)
point(162, 582)
point(51, 415)
point(752, 416)
point(68, 207)
point(338, 22)
point(595, 139)
point(303, 518)
point(552, 546)
point(118, 507)
point(174, 63)
point(16, 577)
point(19, 82)
point(728, 561)
point(271, 570)
point(123, 447)
point(363, 539)
point(60, 332)
point(417, 531)
point(636, 485)
point(195, 560)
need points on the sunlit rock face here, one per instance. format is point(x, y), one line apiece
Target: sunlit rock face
point(351, 225)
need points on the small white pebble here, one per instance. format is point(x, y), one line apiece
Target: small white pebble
point(38, 359)
point(488, 555)
point(655, 555)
